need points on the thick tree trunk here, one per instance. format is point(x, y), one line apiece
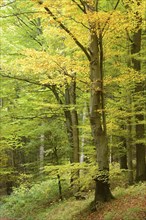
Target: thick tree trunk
point(97, 120)
point(123, 157)
point(123, 162)
point(140, 130)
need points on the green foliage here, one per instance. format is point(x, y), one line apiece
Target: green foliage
point(25, 201)
point(38, 62)
point(39, 202)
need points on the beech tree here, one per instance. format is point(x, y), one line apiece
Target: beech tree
point(94, 54)
point(140, 130)
point(74, 49)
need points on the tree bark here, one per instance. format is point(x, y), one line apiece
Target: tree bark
point(123, 162)
point(74, 118)
point(130, 146)
point(140, 146)
point(75, 130)
point(97, 111)
point(97, 119)
point(41, 152)
point(123, 157)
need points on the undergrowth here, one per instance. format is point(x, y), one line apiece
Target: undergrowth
point(25, 202)
point(41, 202)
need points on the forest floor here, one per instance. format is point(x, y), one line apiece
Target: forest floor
point(126, 207)
point(129, 204)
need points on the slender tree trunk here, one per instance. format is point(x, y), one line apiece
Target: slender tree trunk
point(83, 136)
point(129, 154)
point(58, 176)
point(129, 127)
point(67, 114)
point(68, 118)
point(41, 153)
point(74, 118)
point(71, 117)
point(75, 130)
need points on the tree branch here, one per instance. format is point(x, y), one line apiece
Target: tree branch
point(22, 79)
point(16, 14)
point(41, 116)
point(116, 5)
point(4, 5)
point(79, 6)
point(68, 32)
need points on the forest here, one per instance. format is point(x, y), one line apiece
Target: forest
point(73, 110)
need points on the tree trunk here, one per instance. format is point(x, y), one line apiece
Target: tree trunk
point(74, 118)
point(75, 131)
point(83, 136)
point(129, 154)
point(130, 136)
point(97, 120)
point(71, 117)
point(58, 176)
point(140, 146)
point(123, 162)
point(130, 145)
point(123, 157)
point(41, 153)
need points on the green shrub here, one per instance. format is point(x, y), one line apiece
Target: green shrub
point(24, 201)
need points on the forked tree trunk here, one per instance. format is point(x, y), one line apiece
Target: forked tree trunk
point(97, 120)
point(97, 114)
